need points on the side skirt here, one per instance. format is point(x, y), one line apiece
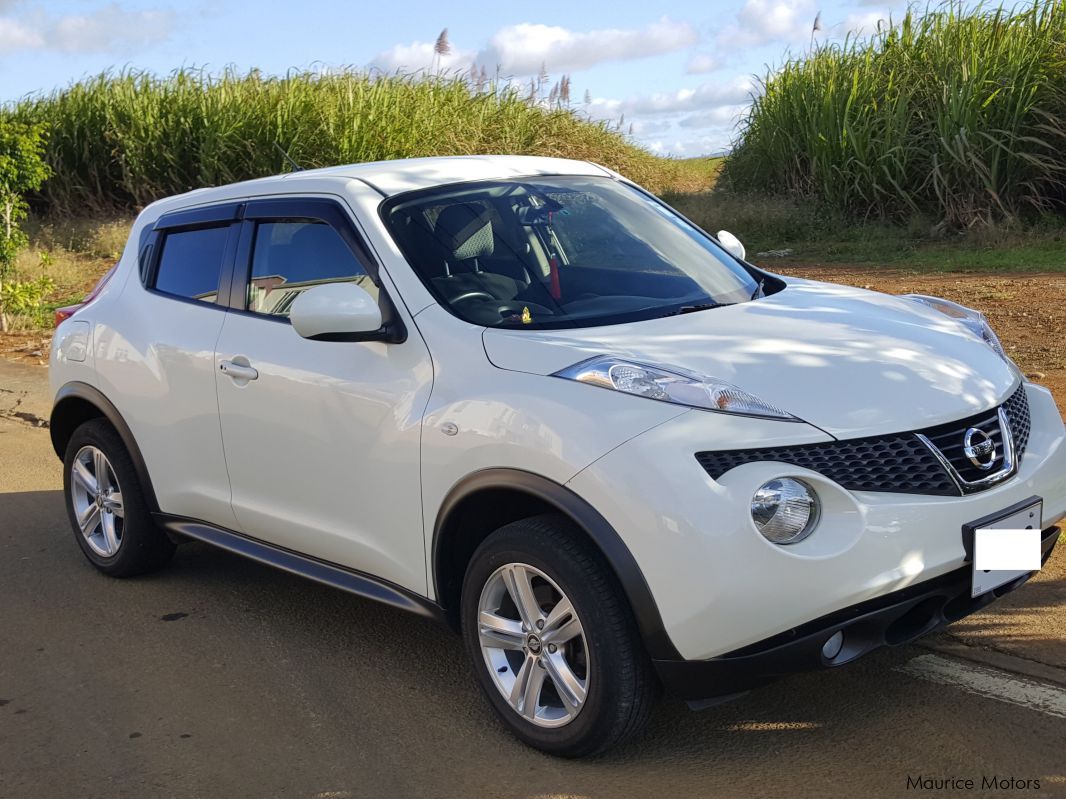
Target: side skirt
point(320, 571)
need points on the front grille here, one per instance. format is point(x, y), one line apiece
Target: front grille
point(1017, 408)
point(899, 463)
point(948, 438)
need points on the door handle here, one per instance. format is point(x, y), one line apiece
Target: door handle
point(238, 371)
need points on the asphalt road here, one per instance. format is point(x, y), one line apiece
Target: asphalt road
point(220, 677)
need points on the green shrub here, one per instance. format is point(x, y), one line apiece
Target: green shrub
point(21, 171)
point(26, 300)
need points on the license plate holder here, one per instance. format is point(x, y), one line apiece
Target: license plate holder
point(1027, 514)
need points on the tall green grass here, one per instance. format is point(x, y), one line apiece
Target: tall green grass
point(121, 140)
point(958, 115)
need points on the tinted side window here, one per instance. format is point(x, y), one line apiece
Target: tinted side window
point(290, 256)
point(191, 262)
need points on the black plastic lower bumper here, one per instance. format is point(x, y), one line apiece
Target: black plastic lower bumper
point(888, 620)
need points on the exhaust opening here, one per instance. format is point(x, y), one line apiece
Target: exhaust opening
point(915, 622)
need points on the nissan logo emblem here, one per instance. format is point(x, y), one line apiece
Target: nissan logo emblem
point(978, 446)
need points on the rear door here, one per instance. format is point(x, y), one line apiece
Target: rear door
point(322, 444)
point(157, 362)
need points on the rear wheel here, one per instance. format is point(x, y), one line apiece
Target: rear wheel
point(552, 639)
point(106, 506)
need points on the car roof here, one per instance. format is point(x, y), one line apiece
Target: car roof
point(394, 177)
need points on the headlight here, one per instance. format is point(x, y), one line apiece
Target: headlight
point(974, 320)
point(670, 385)
point(785, 510)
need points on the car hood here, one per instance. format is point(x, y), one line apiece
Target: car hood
point(849, 361)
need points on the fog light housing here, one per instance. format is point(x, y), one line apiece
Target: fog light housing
point(785, 510)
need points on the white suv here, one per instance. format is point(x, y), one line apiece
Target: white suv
point(524, 396)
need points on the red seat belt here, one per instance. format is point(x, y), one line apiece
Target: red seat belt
point(553, 262)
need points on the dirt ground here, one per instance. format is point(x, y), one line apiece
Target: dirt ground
point(26, 347)
point(1027, 311)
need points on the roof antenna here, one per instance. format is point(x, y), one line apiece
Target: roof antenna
point(292, 162)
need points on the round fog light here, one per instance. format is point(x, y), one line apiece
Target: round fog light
point(833, 644)
point(785, 510)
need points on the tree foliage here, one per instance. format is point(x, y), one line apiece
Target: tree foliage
point(22, 170)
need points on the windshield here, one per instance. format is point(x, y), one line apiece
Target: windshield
point(560, 251)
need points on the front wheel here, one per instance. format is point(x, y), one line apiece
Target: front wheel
point(553, 641)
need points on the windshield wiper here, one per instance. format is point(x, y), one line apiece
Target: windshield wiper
point(706, 306)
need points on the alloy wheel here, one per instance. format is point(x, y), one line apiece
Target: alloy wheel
point(534, 645)
point(97, 499)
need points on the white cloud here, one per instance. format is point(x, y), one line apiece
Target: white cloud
point(16, 36)
point(108, 29)
point(706, 96)
point(715, 144)
point(701, 63)
point(651, 127)
point(702, 133)
point(522, 49)
point(862, 24)
point(724, 116)
point(685, 122)
point(418, 56)
point(709, 144)
point(762, 22)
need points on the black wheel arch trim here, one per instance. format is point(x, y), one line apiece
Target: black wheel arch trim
point(77, 390)
point(646, 613)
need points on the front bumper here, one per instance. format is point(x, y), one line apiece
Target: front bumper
point(719, 586)
point(889, 620)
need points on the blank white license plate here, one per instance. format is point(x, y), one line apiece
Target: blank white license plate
point(1013, 538)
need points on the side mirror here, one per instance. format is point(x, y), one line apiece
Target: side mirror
point(337, 312)
point(731, 244)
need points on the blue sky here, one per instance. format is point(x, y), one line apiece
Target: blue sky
point(681, 74)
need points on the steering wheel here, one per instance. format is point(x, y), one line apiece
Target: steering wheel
point(473, 295)
point(504, 308)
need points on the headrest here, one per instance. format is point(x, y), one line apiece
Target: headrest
point(465, 231)
point(316, 251)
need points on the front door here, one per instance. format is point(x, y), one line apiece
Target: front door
point(321, 438)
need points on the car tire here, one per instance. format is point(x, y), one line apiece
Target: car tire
point(110, 517)
point(607, 658)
